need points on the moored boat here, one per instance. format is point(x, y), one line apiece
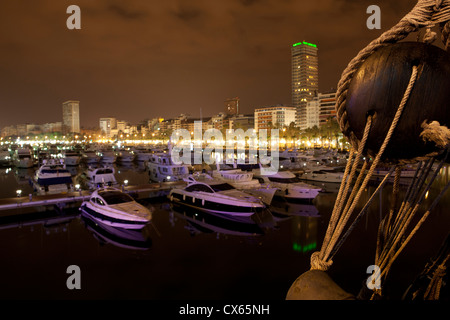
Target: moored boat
point(117, 209)
point(289, 186)
point(215, 196)
point(52, 177)
point(99, 177)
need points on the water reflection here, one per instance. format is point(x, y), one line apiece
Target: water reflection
point(202, 222)
point(304, 233)
point(119, 237)
point(53, 221)
point(284, 210)
point(304, 219)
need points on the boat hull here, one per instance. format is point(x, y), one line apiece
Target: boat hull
point(214, 207)
point(112, 221)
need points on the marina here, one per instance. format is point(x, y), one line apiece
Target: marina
point(285, 232)
point(207, 152)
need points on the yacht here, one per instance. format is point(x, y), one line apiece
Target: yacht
point(215, 196)
point(237, 178)
point(99, 177)
point(289, 186)
point(322, 176)
point(162, 169)
point(407, 172)
point(23, 158)
point(243, 180)
point(52, 177)
point(115, 208)
point(71, 158)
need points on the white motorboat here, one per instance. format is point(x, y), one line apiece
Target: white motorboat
point(243, 180)
point(215, 196)
point(99, 177)
point(237, 178)
point(289, 186)
point(407, 172)
point(71, 158)
point(23, 158)
point(322, 176)
point(162, 169)
point(52, 177)
point(115, 208)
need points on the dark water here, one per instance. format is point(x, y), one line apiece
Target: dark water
point(189, 255)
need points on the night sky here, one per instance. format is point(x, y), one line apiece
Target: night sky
point(143, 59)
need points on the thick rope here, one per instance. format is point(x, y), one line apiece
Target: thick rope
point(349, 173)
point(436, 133)
point(434, 288)
point(340, 217)
point(361, 214)
point(410, 235)
point(396, 242)
point(426, 13)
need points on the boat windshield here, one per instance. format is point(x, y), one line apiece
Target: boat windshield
point(284, 180)
point(115, 197)
point(221, 187)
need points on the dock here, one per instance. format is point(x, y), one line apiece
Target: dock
point(59, 200)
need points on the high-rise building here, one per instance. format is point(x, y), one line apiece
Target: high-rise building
point(106, 125)
point(71, 117)
point(327, 103)
point(275, 116)
point(305, 78)
point(312, 113)
point(232, 106)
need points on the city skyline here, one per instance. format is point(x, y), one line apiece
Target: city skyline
point(149, 59)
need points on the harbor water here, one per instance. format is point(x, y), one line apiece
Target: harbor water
point(183, 254)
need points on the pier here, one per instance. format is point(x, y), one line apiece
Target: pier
point(59, 200)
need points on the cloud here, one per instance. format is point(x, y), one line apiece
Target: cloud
point(125, 13)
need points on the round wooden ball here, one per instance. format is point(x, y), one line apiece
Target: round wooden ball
point(378, 87)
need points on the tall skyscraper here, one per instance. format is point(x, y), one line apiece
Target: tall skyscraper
point(305, 78)
point(71, 117)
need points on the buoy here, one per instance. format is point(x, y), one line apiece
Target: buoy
point(316, 285)
point(377, 89)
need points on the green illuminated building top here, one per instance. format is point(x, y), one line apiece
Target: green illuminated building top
point(305, 43)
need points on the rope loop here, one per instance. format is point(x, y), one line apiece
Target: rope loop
point(319, 264)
